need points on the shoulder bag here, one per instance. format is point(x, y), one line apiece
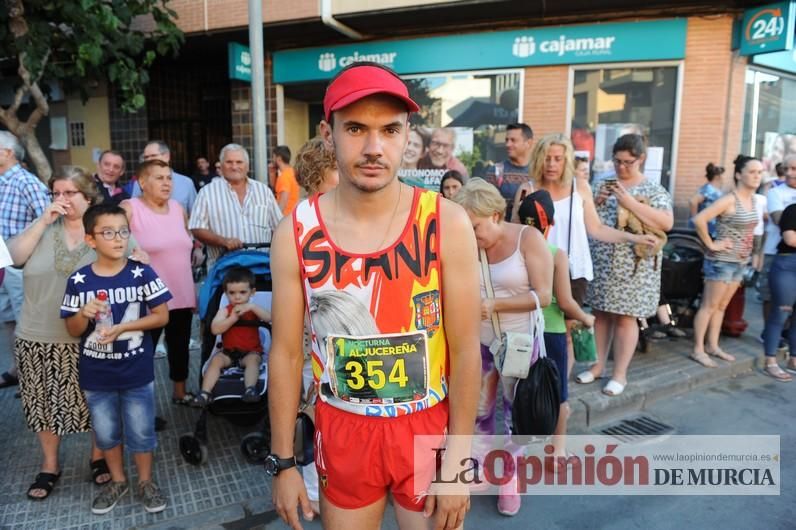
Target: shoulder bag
point(514, 352)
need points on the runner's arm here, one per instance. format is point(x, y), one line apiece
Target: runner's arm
point(460, 305)
point(286, 359)
point(285, 364)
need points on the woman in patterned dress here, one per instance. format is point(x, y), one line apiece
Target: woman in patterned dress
point(625, 287)
point(47, 356)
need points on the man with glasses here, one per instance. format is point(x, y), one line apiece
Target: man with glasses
point(234, 209)
point(110, 168)
point(440, 154)
point(23, 198)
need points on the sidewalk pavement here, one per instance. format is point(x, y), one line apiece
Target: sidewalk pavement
point(229, 491)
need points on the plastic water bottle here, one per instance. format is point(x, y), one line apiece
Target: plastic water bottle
point(104, 319)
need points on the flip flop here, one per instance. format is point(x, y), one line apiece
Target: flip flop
point(703, 359)
point(721, 354)
point(613, 388)
point(584, 378)
point(8, 380)
point(777, 373)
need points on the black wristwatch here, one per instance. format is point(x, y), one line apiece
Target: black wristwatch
point(275, 465)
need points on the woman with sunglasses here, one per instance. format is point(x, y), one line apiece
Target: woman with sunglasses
point(50, 249)
point(625, 287)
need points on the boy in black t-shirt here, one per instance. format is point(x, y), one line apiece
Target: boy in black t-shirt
point(116, 364)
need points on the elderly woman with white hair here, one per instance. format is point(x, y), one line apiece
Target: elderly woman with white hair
point(518, 262)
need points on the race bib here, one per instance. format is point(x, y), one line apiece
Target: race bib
point(378, 369)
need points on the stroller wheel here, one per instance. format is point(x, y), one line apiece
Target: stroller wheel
point(254, 447)
point(193, 450)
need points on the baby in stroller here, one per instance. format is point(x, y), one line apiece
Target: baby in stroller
point(237, 323)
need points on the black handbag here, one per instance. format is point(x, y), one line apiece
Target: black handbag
point(537, 400)
point(304, 438)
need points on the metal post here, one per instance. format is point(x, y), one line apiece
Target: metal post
point(258, 89)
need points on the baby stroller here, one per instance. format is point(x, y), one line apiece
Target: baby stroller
point(227, 401)
point(681, 275)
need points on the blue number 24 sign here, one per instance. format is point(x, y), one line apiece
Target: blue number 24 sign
point(768, 28)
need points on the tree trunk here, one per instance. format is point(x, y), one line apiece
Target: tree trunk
point(37, 157)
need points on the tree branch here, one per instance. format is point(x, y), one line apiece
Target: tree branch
point(42, 107)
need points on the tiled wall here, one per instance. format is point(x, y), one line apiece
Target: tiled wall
point(128, 133)
point(242, 122)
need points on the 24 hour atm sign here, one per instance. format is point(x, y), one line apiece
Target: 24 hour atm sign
point(768, 28)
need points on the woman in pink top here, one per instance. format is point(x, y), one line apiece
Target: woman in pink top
point(159, 224)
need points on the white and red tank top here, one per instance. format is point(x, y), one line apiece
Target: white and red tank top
point(401, 366)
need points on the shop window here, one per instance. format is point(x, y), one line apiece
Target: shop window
point(610, 102)
point(769, 128)
point(472, 109)
point(77, 134)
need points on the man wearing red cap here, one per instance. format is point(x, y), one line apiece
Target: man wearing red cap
point(367, 262)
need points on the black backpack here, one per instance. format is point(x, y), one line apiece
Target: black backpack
point(537, 400)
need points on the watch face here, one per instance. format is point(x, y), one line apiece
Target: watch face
point(271, 466)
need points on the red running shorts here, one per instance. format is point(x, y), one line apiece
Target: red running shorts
point(362, 458)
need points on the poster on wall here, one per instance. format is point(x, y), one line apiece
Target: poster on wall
point(776, 146)
point(432, 152)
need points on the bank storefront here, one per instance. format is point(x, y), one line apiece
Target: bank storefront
point(770, 108)
point(620, 77)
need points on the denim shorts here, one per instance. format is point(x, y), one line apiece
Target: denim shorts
point(132, 410)
point(722, 271)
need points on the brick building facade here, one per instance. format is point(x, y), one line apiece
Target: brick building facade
point(700, 115)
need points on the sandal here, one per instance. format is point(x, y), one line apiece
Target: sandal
point(44, 481)
point(584, 378)
point(185, 400)
point(790, 368)
point(250, 395)
point(703, 359)
point(773, 370)
point(8, 380)
point(202, 400)
point(614, 388)
point(721, 354)
point(99, 468)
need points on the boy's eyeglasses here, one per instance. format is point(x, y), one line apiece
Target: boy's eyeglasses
point(110, 235)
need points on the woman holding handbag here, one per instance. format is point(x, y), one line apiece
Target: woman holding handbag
point(518, 272)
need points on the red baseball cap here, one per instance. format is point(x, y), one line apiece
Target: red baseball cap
point(362, 81)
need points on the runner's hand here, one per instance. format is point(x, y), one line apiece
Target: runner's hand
point(288, 495)
point(448, 510)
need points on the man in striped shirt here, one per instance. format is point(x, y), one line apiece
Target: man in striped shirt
point(235, 209)
point(23, 198)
